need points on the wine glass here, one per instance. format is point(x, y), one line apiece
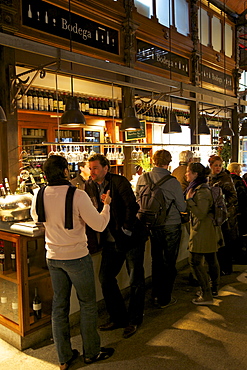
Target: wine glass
point(121, 155)
point(134, 154)
point(140, 154)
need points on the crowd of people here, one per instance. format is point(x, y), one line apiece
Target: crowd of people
point(104, 217)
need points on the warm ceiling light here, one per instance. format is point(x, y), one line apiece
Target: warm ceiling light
point(202, 128)
point(172, 125)
point(72, 115)
point(130, 121)
point(225, 129)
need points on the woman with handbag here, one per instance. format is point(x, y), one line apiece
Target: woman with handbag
point(204, 237)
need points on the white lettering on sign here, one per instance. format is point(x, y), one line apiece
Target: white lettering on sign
point(75, 29)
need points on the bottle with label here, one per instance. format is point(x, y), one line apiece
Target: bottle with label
point(6, 182)
point(110, 110)
point(87, 108)
point(46, 100)
point(2, 257)
point(60, 104)
point(99, 106)
point(34, 185)
point(24, 101)
point(18, 186)
point(40, 99)
point(30, 99)
point(13, 257)
point(50, 101)
point(91, 106)
point(83, 106)
point(19, 100)
point(55, 102)
point(42, 180)
point(2, 191)
point(37, 306)
point(35, 100)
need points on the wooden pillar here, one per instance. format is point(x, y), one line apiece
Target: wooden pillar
point(9, 164)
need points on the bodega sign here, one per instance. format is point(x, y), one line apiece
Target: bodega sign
point(51, 19)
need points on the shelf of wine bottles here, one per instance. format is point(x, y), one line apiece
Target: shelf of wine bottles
point(158, 113)
point(51, 101)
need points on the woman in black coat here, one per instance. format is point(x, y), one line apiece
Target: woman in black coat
point(235, 170)
point(221, 177)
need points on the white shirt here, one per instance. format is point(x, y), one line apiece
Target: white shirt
point(61, 243)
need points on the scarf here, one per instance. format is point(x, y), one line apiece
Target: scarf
point(40, 209)
point(193, 184)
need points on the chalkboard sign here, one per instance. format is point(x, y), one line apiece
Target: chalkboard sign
point(138, 134)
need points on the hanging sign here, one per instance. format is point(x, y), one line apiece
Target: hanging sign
point(217, 78)
point(51, 19)
point(137, 134)
point(161, 58)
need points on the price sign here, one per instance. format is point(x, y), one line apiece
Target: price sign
point(137, 134)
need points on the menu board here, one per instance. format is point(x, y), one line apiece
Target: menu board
point(137, 134)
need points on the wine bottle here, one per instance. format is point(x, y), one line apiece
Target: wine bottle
point(60, 104)
point(13, 257)
point(6, 182)
point(4, 298)
point(2, 190)
point(46, 101)
point(24, 102)
point(18, 187)
point(42, 180)
point(87, 108)
point(30, 99)
point(2, 257)
point(37, 306)
point(83, 106)
point(50, 101)
point(35, 100)
point(91, 106)
point(99, 104)
point(55, 102)
point(34, 185)
point(40, 99)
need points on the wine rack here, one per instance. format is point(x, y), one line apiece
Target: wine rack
point(17, 287)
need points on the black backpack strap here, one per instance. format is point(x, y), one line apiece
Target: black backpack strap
point(164, 179)
point(69, 207)
point(40, 209)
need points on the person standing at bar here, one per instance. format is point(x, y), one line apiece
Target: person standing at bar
point(165, 239)
point(122, 241)
point(82, 175)
point(205, 238)
point(185, 157)
point(221, 177)
point(65, 210)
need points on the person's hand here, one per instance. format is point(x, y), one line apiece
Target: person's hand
point(190, 194)
point(106, 199)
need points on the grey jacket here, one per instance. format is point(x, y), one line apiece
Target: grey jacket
point(172, 192)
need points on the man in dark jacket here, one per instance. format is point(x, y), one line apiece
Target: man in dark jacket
point(82, 175)
point(122, 241)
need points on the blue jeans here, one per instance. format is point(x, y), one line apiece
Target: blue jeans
point(80, 274)
point(165, 242)
point(112, 262)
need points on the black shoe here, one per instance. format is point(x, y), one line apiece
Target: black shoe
point(67, 364)
point(110, 326)
point(129, 331)
point(104, 354)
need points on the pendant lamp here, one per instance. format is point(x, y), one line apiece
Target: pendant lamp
point(130, 121)
point(72, 115)
point(172, 125)
point(243, 131)
point(203, 128)
point(2, 115)
point(225, 129)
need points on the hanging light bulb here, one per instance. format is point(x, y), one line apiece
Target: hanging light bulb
point(225, 129)
point(172, 125)
point(130, 121)
point(243, 131)
point(72, 115)
point(203, 128)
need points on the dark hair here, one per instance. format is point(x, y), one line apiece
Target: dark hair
point(214, 158)
point(202, 172)
point(162, 158)
point(101, 158)
point(54, 168)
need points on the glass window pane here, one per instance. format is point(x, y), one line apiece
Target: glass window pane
point(182, 16)
point(216, 34)
point(144, 7)
point(228, 40)
point(162, 12)
point(203, 23)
